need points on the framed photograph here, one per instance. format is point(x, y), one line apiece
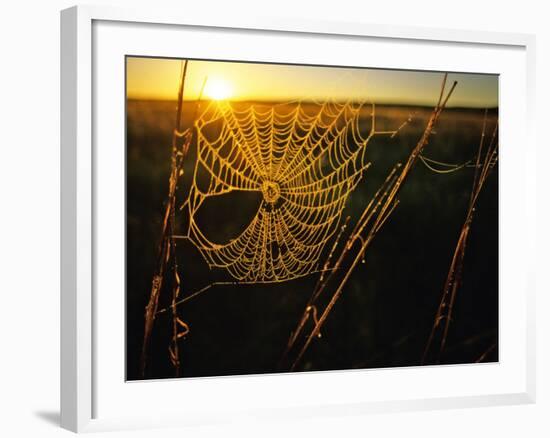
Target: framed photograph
point(284, 219)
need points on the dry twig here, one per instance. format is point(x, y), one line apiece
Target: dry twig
point(483, 166)
point(370, 222)
point(167, 243)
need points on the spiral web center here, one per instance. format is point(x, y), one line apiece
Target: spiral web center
point(271, 191)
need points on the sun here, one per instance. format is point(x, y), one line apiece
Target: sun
point(218, 89)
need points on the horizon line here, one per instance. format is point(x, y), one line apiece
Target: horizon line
point(310, 101)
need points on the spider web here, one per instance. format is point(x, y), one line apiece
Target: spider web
point(305, 159)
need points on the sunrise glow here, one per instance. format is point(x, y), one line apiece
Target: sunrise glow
point(218, 89)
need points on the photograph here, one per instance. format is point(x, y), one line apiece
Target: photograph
point(308, 218)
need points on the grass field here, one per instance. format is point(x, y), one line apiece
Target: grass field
point(387, 309)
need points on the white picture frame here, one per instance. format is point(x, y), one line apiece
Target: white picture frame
point(93, 397)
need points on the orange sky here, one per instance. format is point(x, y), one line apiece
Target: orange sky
point(157, 78)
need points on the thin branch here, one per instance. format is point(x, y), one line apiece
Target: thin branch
point(454, 276)
point(378, 210)
point(486, 353)
point(167, 244)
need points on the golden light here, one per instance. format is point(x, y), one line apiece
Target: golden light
point(218, 89)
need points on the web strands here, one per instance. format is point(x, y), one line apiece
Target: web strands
point(305, 159)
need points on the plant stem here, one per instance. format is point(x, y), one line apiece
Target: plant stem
point(167, 244)
point(387, 203)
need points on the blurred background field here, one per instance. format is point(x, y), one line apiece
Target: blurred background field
point(383, 318)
